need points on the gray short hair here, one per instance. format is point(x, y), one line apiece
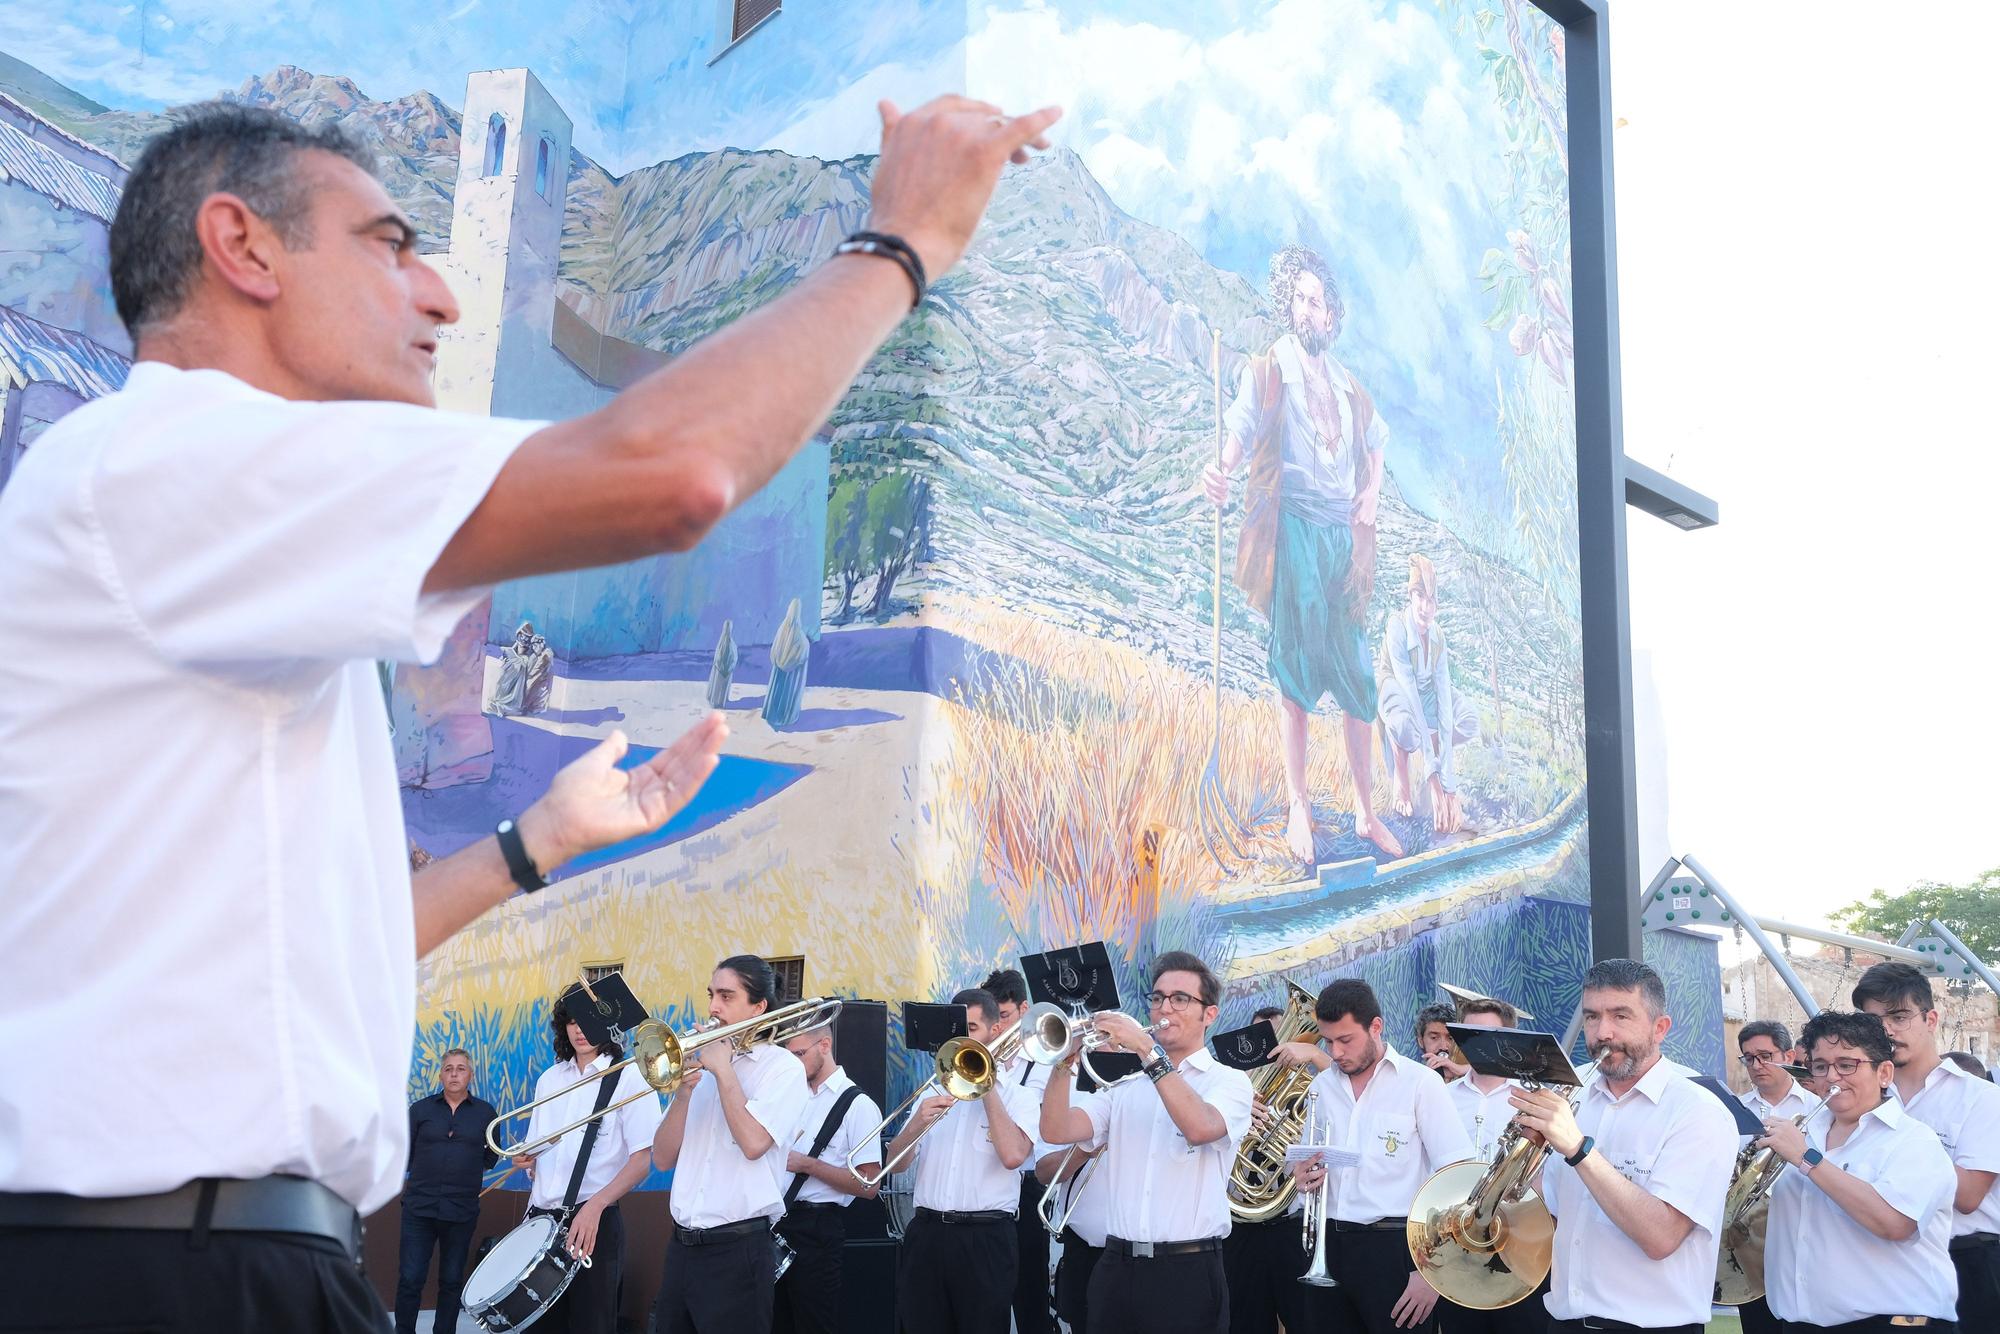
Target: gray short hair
point(215, 147)
point(1628, 975)
point(454, 1051)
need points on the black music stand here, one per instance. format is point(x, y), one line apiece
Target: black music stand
point(604, 1009)
point(1516, 1053)
point(927, 1027)
point(1076, 977)
point(1245, 1048)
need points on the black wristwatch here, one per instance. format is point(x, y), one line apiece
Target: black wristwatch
point(1157, 1066)
point(519, 864)
point(1582, 1151)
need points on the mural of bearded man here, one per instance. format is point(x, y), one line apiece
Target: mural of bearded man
point(1306, 556)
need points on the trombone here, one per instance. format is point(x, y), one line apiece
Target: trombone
point(1045, 1208)
point(661, 1056)
point(966, 1069)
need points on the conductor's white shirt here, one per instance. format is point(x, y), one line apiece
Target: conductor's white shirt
point(1964, 1110)
point(620, 1134)
point(1157, 1186)
point(198, 802)
point(1403, 1127)
point(713, 1182)
point(855, 1128)
point(1674, 1140)
point(1485, 1116)
point(1821, 1267)
point(959, 1169)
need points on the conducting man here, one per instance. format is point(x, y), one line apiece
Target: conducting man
point(957, 1267)
point(1394, 1115)
point(209, 562)
point(1639, 1174)
point(1169, 1141)
point(727, 1139)
point(1965, 1113)
point(1031, 1270)
point(838, 1118)
point(616, 1164)
point(1859, 1228)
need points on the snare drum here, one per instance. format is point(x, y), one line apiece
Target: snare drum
point(522, 1275)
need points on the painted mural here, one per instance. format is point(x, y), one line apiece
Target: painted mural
point(1198, 568)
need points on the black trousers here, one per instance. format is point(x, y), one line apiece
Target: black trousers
point(1031, 1269)
point(955, 1278)
point(1757, 1318)
point(589, 1305)
point(1874, 1325)
point(133, 1282)
point(1262, 1262)
point(1978, 1269)
point(452, 1241)
point(1577, 1327)
point(1073, 1271)
point(1530, 1315)
point(723, 1287)
point(808, 1296)
point(1370, 1268)
point(1169, 1294)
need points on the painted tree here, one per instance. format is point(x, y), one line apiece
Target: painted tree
point(846, 548)
point(897, 525)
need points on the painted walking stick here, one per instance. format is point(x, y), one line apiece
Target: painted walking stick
point(1219, 821)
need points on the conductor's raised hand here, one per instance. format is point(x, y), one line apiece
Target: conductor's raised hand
point(593, 803)
point(939, 166)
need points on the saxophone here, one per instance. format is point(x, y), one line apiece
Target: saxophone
point(1260, 1185)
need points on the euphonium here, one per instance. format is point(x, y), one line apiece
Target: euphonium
point(1260, 1185)
point(1478, 1232)
point(1739, 1261)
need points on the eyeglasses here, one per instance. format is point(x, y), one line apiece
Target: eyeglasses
point(1756, 1058)
point(1847, 1067)
point(1171, 1000)
point(1901, 1018)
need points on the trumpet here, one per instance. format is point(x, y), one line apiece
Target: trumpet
point(661, 1057)
point(1093, 1038)
point(1315, 1216)
point(1739, 1260)
point(966, 1069)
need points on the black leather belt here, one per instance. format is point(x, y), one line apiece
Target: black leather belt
point(1972, 1241)
point(1595, 1322)
point(709, 1236)
point(815, 1206)
point(267, 1204)
point(1154, 1250)
point(1395, 1225)
point(956, 1216)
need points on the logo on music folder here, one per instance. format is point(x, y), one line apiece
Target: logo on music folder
point(1244, 1046)
point(1067, 979)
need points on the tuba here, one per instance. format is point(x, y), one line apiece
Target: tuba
point(1739, 1261)
point(1260, 1184)
point(1478, 1232)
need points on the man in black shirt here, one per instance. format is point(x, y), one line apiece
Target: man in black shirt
point(448, 1155)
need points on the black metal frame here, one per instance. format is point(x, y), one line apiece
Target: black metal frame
point(1610, 789)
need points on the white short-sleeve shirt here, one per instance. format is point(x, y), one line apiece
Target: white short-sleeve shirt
point(856, 1127)
point(1091, 1211)
point(958, 1165)
point(1158, 1186)
point(1485, 1116)
point(1821, 1267)
point(1674, 1140)
point(1964, 1110)
point(198, 799)
point(714, 1183)
point(619, 1135)
point(1403, 1126)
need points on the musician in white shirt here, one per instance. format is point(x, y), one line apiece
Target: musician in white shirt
point(959, 1254)
point(820, 1188)
point(1859, 1228)
point(1485, 1106)
point(1393, 1113)
point(617, 1163)
point(1763, 1047)
point(1031, 1267)
point(1170, 1138)
point(1964, 1110)
point(1081, 1206)
point(1263, 1259)
point(1637, 1177)
point(726, 1139)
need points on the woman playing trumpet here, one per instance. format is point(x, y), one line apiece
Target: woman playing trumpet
point(1860, 1223)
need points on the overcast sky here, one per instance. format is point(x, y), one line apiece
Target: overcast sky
point(1807, 289)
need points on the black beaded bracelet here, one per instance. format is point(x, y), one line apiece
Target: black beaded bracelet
point(890, 247)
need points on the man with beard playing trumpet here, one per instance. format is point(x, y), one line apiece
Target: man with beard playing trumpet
point(1641, 1169)
point(1170, 1139)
